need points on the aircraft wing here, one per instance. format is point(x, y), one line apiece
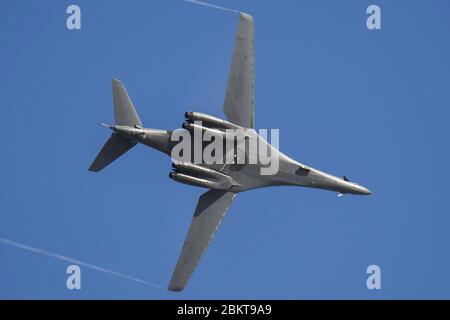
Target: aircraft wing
point(211, 209)
point(239, 104)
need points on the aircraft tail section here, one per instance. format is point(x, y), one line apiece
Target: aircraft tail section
point(125, 115)
point(124, 112)
point(113, 149)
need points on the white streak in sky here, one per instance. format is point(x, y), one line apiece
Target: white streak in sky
point(77, 262)
point(211, 5)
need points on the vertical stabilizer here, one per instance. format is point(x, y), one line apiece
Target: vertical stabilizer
point(125, 115)
point(124, 112)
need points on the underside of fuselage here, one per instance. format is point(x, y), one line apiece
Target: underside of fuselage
point(246, 169)
point(198, 160)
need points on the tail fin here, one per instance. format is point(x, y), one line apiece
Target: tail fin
point(124, 112)
point(125, 115)
point(113, 149)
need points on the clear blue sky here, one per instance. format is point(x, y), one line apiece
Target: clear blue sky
point(373, 105)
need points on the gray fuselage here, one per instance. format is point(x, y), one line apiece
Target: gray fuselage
point(246, 176)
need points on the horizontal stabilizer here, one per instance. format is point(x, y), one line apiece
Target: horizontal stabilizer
point(113, 149)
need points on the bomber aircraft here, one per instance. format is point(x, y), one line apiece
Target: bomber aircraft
point(223, 180)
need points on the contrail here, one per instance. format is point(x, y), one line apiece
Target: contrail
point(75, 261)
point(211, 5)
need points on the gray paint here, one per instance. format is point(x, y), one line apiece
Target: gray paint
point(224, 181)
point(211, 208)
point(238, 104)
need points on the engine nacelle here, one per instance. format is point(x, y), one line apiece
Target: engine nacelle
point(201, 176)
point(212, 131)
point(199, 182)
point(209, 121)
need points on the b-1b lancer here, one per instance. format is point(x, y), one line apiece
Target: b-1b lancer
point(224, 181)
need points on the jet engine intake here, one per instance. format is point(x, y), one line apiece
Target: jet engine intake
point(212, 131)
point(209, 121)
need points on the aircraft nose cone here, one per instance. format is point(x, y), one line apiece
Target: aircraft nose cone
point(364, 191)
